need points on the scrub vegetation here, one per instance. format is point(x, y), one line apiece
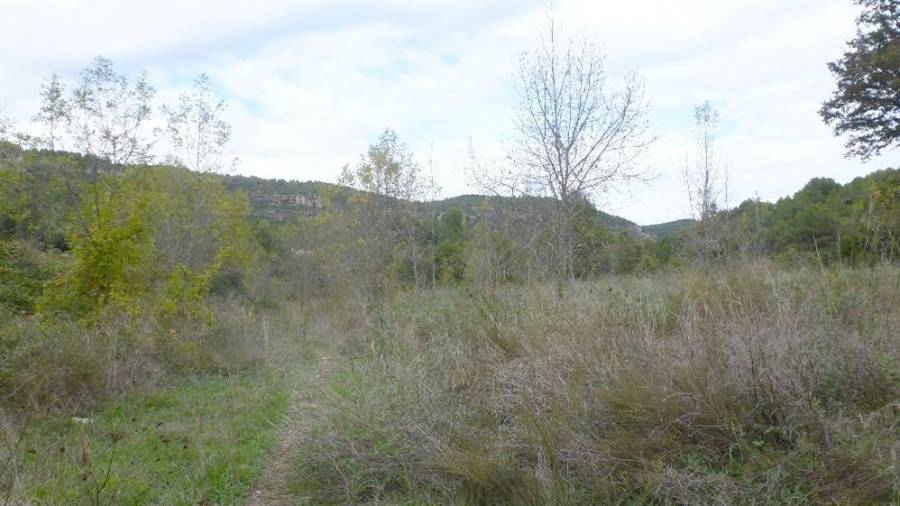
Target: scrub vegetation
point(172, 334)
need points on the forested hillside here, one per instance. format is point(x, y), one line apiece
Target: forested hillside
point(855, 222)
point(843, 221)
point(44, 216)
point(279, 200)
point(661, 230)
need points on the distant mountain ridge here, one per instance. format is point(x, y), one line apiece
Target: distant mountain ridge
point(660, 230)
point(471, 203)
point(823, 214)
point(280, 200)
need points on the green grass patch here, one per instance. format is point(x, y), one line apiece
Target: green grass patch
point(201, 441)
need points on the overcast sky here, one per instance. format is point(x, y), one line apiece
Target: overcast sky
point(310, 84)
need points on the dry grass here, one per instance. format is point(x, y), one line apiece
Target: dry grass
point(746, 384)
point(56, 365)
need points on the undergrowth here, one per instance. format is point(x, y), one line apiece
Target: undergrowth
point(746, 384)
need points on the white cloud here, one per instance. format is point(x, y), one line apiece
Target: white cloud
point(310, 84)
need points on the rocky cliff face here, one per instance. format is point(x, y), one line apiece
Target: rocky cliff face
point(279, 200)
point(283, 206)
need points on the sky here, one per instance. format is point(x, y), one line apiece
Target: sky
point(311, 83)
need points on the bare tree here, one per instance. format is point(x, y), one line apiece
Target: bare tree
point(10, 133)
point(106, 117)
point(6, 129)
point(109, 116)
point(706, 179)
point(55, 112)
point(197, 131)
point(577, 137)
point(432, 190)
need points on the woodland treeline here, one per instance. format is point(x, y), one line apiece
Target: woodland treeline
point(214, 241)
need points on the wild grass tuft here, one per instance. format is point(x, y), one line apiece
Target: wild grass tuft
point(742, 384)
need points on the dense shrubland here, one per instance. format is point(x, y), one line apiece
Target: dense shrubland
point(741, 384)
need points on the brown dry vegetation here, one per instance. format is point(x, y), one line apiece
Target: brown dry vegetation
point(63, 366)
point(746, 384)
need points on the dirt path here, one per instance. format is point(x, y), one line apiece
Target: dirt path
point(271, 488)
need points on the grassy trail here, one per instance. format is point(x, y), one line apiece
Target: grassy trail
point(202, 440)
point(272, 486)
